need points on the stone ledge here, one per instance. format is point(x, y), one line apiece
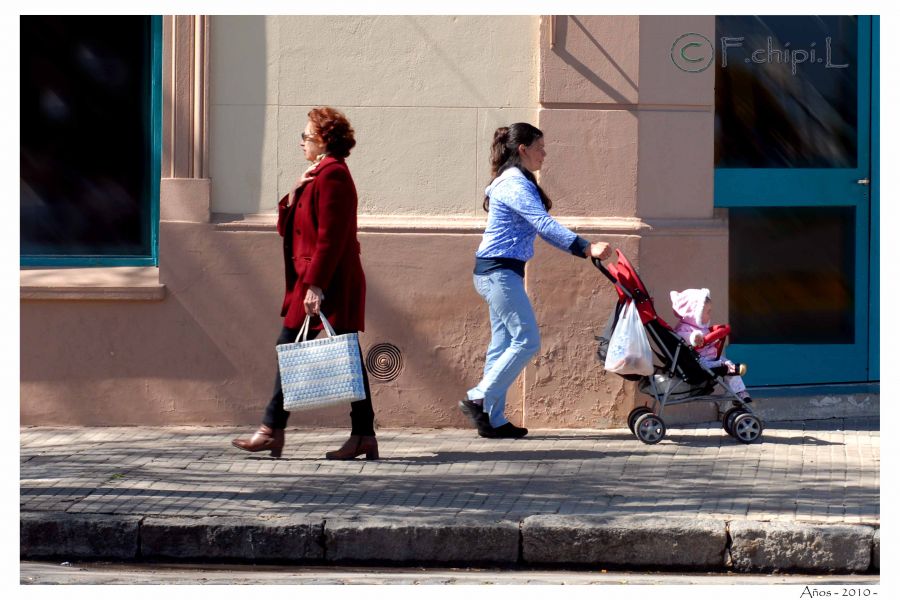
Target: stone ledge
point(817, 404)
point(96, 283)
point(759, 546)
point(624, 541)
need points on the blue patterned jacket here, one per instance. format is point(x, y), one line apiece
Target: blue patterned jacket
point(516, 215)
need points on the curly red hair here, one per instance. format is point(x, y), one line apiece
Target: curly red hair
point(334, 129)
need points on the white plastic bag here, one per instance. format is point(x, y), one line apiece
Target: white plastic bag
point(629, 350)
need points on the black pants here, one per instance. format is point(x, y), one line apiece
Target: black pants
point(362, 417)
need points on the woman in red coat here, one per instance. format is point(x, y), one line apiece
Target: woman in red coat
point(322, 272)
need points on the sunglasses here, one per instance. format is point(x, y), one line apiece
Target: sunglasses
point(307, 137)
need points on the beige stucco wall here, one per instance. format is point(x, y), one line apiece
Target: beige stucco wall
point(424, 95)
point(629, 161)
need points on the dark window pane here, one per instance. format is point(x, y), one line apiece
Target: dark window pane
point(85, 148)
point(774, 111)
point(792, 275)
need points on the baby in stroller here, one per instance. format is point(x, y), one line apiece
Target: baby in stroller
point(693, 308)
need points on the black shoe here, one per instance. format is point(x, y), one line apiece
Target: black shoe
point(746, 399)
point(471, 410)
point(479, 418)
point(487, 432)
point(508, 430)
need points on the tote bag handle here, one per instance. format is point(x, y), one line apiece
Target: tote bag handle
point(304, 329)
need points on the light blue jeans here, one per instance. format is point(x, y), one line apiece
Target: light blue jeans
point(515, 338)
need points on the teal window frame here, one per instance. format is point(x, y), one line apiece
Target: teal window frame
point(153, 122)
point(875, 190)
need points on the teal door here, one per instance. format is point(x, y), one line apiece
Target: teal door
point(794, 168)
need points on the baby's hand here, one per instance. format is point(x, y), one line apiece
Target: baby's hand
point(696, 339)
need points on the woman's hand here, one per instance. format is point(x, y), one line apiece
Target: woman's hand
point(301, 181)
point(313, 300)
point(600, 250)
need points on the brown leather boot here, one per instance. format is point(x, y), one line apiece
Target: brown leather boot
point(353, 447)
point(265, 438)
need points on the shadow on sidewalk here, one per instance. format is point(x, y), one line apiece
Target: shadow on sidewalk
point(726, 440)
point(846, 424)
point(506, 455)
point(677, 436)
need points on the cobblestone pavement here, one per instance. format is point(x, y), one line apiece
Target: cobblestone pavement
point(819, 471)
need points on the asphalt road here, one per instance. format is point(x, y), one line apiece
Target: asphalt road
point(32, 572)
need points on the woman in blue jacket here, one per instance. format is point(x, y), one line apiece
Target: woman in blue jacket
point(517, 212)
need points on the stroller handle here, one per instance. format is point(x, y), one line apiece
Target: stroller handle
point(599, 264)
point(615, 282)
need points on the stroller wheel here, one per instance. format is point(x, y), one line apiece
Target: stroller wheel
point(649, 428)
point(747, 428)
point(730, 416)
point(634, 414)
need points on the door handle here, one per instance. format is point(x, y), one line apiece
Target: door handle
point(865, 181)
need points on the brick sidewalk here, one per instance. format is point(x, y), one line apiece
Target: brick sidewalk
point(805, 499)
point(823, 472)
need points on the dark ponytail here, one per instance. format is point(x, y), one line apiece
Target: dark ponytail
point(505, 154)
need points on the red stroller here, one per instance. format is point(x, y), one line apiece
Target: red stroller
point(678, 377)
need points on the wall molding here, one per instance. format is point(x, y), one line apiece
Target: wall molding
point(185, 97)
point(436, 224)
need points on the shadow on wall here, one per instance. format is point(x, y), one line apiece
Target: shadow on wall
point(239, 101)
point(562, 31)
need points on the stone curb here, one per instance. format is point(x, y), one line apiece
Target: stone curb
point(876, 550)
point(46, 535)
point(557, 540)
point(624, 541)
point(232, 539)
point(432, 539)
point(801, 547)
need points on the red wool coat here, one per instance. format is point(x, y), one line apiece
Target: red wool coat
point(321, 249)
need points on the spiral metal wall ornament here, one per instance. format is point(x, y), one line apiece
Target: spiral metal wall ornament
point(384, 362)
